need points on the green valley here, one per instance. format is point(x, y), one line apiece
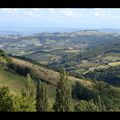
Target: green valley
point(90, 58)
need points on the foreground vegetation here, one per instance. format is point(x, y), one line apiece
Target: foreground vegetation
point(46, 90)
point(32, 100)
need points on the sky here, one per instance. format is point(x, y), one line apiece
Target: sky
point(60, 18)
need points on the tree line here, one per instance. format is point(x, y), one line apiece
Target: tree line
point(34, 98)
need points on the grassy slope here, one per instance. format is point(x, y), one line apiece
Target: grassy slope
point(52, 77)
point(16, 83)
point(49, 75)
point(13, 81)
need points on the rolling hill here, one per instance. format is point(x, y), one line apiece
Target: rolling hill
point(87, 89)
point(48, 75)
point(16, 82)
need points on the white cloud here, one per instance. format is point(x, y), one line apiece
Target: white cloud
point(52, 10)
point(69, 13)
point(97, 14)
point(98, 9)
point(28, 13)
point(57, 13)
point(64, 12)
point(106, 15)
point(9, 10)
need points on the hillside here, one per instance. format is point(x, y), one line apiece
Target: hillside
point(14, 81)
point(91, 56)
point(3, 58)
point(78, 52)
point(83, 89)
point(47, 74)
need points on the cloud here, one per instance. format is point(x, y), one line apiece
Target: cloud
point(52, 10)
point(28, 13)
point(9, 10)
point(98, 9)
point(97, 14)
point(52, 13)
point(59, 15)
point(32, 14)
point(70, 13)
point(20, 13)
point(105, 15)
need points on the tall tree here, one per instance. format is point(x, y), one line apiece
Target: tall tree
point(27, 102)
point(29, 90)
point(42, 97)
point(100, 104)
point(63, 94)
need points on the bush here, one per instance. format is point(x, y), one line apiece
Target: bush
point(23, 104)
point(6, 102)
point(85, 106)
point(82, 93)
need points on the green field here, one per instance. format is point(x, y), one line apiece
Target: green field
point(13, 81)
point(16, 83)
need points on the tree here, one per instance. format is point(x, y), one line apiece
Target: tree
point(92, 107)
point(29, 90)
point(27, 101)
point(100, 104)
point(85, 106)
point(63, 94)
point(6, 102)
point(42, 97)
point(81, 92)
point(81, 107)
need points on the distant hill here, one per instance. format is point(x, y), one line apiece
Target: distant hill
point(109, 30)
point(36, 30)
point(10, 33)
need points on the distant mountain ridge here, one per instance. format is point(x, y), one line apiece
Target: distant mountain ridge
point(31, 31)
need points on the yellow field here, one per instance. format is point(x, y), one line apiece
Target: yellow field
point(114, 63)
